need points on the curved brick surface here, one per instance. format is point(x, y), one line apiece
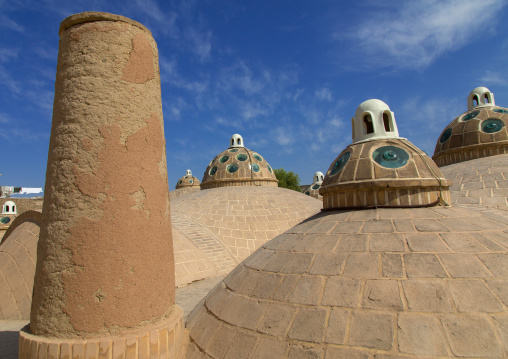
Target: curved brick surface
point(362, 182)
point(468, 141)
point(479, 182)
point(244, 218)
point(199, 253)
point(385, 283)
point(18, 254)
point(188, 181)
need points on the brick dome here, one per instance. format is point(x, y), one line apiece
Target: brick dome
point(187, 181)
point(479, 132)
point(238, 166)
point(384, 283)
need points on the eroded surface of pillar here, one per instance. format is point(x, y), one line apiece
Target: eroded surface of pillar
point(105, 269)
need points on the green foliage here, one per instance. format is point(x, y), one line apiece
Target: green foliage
point(287, 179)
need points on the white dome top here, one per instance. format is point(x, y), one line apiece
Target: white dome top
point(9, 207)
point(318, 177)
point(188, 173)
point(236, 141)
point(479, 97)
point(373, 120)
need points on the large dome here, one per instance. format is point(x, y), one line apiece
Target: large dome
point(479, 132)
point(383, 283)
point(243, 218)
point(238, 166)
point(430, 281)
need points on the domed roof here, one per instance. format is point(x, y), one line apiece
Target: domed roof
point(238, 166)
point(18, 255)
point(242, 218)
point(187, 181)
point(383, 282)
point(382, 171)
point(479, 132)
point(481, 182)
point(313, 189)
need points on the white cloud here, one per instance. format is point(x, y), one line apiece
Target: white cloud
point(6, 54)
point(324, 94)
point(413, 34)
point(200, 43)
point(283, 136)
point(7, 22)
point(491, 77)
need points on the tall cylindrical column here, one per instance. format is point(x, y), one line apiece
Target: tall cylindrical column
point(105, 267)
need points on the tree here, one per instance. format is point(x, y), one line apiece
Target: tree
point(287, 179)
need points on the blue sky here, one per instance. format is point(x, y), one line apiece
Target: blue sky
point(286, 75)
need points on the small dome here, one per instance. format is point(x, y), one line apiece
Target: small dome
point(236, 140)
point(313, 189)
point(188, 181)
point(479, 132)
point(318, 177)
point(480, 96)
point(373, 120)
point(387, 171)
point(9, 207)
point(238, 166)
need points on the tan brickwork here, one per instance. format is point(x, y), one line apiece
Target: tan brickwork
point(362, 182)
point(187, 181)
point(468, 141)
point(18, 254)
point(395, 283)
point(479, 182)
point(244, 218)
point(166, 340)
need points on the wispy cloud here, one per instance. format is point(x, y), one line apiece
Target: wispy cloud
point(413, 34)
point(492, 77)
point(7, 54)
point(324, 94)
point(10, 24)
point(200, 43)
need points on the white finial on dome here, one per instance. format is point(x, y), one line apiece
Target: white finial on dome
point(373, 120)
point(188, 173)
point(236, 141)
point(318, 177)
point(479, 97)
point(9, 207)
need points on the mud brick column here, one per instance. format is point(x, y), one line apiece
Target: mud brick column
point(104, 282)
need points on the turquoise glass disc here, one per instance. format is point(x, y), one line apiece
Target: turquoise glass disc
point(258, 157)
point(500, 110)
point(340, 163)
point(234, 150)
point(5, 220)
point(255, 167)
point(269, 168)
point(492, 125)
point(224, 159)
point(390, 156)
point(446, 135)
point(316, 186)
point(213, 170)
point(242, 157)
point(232, 168)
point(470, 116)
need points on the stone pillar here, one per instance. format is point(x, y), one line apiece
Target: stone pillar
point(104, 282)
